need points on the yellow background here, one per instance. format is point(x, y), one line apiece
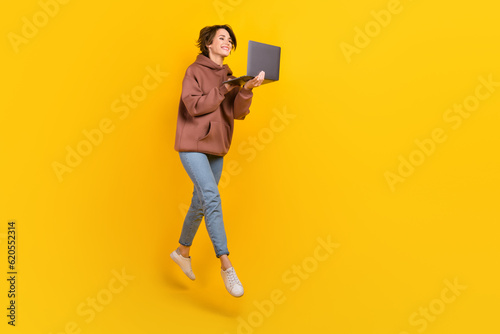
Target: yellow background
point(321, 175)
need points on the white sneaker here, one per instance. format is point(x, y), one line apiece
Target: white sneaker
point(233, 284)
point(184, 263)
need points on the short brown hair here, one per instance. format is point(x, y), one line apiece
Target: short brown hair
point(207, 36)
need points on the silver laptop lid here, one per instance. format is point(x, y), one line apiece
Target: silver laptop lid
point(263, 57)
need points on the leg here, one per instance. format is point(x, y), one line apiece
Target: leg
point(224, 262)
point(205, 171)
point(231, 281)
point(191, 224)
point(216, 165)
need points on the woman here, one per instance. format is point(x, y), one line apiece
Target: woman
point(207, 111)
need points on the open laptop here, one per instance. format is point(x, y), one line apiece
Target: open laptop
point(261, 57)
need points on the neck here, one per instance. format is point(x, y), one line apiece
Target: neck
point(218, 59)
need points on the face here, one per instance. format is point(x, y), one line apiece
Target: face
point(221, 44)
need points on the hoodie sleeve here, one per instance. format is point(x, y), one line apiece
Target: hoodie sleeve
point(196, 102)
point(242, 103)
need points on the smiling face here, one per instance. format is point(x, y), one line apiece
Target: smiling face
point(222, 44)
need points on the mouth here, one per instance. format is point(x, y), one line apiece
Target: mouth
point(225, 48)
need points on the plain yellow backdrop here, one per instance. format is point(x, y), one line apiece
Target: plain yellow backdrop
point(359, 196)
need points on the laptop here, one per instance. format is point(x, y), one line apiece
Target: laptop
point(261, 57)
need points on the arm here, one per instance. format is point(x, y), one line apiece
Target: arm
point(196, 102)
point(242, 103)
point(244, 97)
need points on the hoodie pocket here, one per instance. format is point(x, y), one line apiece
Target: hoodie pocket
point(217, 139)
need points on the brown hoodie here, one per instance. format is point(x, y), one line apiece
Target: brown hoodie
point(207, 110)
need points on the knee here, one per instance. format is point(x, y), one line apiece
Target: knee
point(196, 204)
point(210, 195)
point(211, 200)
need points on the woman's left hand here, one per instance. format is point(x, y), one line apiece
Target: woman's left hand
point(255, 82)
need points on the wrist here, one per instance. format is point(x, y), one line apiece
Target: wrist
point(223, 89)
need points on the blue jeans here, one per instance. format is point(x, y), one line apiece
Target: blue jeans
point(205, 171)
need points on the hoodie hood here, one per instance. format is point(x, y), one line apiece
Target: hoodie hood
point(207, 62)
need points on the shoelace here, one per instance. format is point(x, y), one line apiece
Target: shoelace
point(232, 278)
